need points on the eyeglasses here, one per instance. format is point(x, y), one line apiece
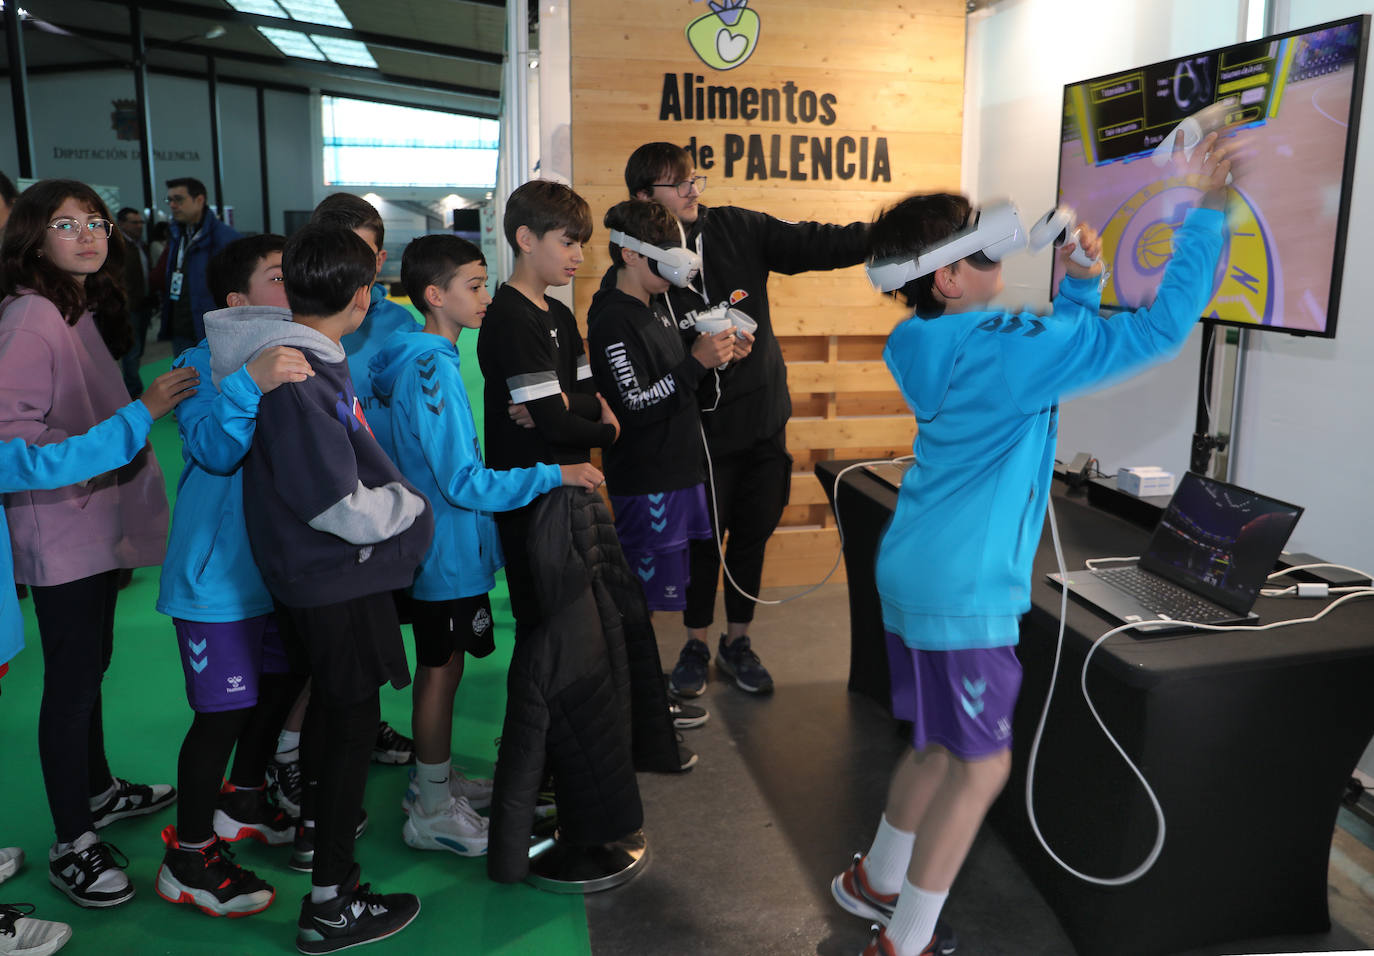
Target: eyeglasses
point(71, 228)
point(684, 188)
point(177, 200)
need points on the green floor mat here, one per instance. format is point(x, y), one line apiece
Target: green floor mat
point(146, 716)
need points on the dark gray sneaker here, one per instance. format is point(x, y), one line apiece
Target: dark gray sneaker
point(687, 716)
point(739, 661)
point(688, 678)
point(355, 916)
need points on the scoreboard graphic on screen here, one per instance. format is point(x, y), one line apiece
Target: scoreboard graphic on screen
point(1289, 100)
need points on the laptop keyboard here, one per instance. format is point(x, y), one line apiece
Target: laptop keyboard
point(1163, 596)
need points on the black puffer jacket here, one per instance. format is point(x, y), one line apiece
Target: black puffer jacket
point(585, 693)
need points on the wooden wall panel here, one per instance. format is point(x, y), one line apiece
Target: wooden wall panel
point(893, 73)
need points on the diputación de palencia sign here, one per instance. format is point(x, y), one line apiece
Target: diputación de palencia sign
point(760, 156)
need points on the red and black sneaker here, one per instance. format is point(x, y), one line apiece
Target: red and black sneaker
point(244, 812)
point(853, 892)
point(942, 943)
point(209, 879)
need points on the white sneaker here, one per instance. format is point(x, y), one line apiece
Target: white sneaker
point(475, 790)
point(90, 872)
point(455, 827)
point(21, 935)
point(11, 859)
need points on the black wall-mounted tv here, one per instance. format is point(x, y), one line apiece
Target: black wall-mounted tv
point(1296, 99)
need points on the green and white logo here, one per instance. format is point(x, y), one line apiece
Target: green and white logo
point(725, 37)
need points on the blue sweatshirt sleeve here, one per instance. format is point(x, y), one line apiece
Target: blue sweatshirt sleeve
point(217, 426)
point(442, 419)
point(1073, 349)
point(109, 445)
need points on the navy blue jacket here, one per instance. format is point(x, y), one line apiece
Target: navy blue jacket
point(212, 236)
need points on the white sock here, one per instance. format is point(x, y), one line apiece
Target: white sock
point(188, 845)
point(99, 801)
point(913, 921)
point(432, 781)
point(888, 858)
point(323, 894)
point(287, 741)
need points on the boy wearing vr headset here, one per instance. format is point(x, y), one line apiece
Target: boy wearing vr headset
point(954, 565)
point(746, 405)
point(655, 472)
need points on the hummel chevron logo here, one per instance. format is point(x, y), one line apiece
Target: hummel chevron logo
point(198, 663)
point(1005, 324)
point(427, 366)
point(975, 690)
point(436, 409)
point(197, 648)
point(659, 525)
point(646, 573)
point(657, 512)
point(655, 499)
point(430, 389)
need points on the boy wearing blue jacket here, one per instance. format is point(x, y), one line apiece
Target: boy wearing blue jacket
point(237, 679)
point(433, 440)
point(953, 568)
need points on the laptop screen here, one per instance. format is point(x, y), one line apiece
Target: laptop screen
point(1220, 540)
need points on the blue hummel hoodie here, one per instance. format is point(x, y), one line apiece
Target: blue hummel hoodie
point(984, 387)
point(23, 467)
point(383, 320)
point(209, 574)
point(433, 440)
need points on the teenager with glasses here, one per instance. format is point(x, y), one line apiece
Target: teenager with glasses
point(63, 322)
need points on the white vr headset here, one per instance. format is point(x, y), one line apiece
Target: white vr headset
point(996, 231)
point(678, 264)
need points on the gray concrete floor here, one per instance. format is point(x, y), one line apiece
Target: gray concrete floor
point(787, 788)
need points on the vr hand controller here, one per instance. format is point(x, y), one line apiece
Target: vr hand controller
point(1192, 131)
point(718, 318)
point(1057, 227)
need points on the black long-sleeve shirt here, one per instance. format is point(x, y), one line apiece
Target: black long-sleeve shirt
point(739, 248)
point(643, 370)
point(533, 357)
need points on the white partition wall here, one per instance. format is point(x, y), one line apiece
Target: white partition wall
point(1305, 408)
point(1308, 404)
point(1020, 55)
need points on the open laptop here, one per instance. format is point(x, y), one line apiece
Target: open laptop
point(1210, 554)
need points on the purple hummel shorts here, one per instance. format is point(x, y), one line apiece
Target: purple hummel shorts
point(224, 659)
point(961, 700)
point(654, 531)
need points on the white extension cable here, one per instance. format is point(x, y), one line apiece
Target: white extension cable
point(1149, 861)
point(839, 528)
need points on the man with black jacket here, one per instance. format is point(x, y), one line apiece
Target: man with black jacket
point(745, 407)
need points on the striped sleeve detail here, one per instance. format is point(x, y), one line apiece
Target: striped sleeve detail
point(532, 386)
point(584, 368)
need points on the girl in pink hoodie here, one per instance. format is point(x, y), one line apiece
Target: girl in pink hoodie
point(63, 321)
